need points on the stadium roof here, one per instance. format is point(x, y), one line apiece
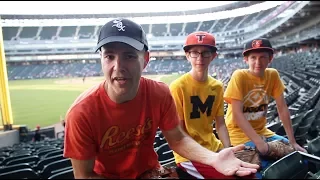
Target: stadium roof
point(103, 9)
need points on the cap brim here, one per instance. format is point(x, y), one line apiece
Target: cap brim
point(186, 48)
point(124, 39)
point(251, 49)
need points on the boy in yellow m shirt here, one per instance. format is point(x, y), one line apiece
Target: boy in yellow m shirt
point(199, 101)
point(248, 94)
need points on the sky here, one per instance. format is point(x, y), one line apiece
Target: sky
point(102, 7)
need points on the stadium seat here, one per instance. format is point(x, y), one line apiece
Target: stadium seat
point(288, 167)
point(53, 153)
point(314, 147)
point(165, 155)
point(30, 159)
point(20, 174)
point(304, 126)
point(274, 126)
point(46, 151)
point(15, 167)
point(51, 167)
point(40, 165)
point(4, 162)
point(66, 174)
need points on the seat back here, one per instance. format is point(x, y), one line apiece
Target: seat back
point(165, 154)
point(20, 174)
point(15, 167)
point(47, 170)
point(48, 160)
point(291, 166)
point(66, 174)
point(4, 162)
point(31, 160)
point(53, 153)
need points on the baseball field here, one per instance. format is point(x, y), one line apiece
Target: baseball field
point(41, 102)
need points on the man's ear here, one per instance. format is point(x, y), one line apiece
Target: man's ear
point(245, 59)
point(271, 58)
point(214, 55)
point(146, 59)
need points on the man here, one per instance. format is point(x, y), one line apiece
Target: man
point(199, 101)
point(37, 135)
point(248, 94)
point(110, 128)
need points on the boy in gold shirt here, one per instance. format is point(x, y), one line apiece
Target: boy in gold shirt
point(248, 94)
point(199, 101)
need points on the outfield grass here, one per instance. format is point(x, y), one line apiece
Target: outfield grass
point(41, 102)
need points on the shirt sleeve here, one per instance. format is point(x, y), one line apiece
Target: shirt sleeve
point(79, 142)
point(169, 114)
point(279, 87)
point(234, 88)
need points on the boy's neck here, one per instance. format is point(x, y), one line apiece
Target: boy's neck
point(257, 75)
point(199, 76)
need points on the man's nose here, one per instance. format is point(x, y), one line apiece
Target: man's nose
point(118, 64)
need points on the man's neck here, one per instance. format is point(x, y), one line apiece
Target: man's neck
point(200, 76)
point(119, 98)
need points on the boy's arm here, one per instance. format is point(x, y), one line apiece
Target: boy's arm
point(285, 118)
point(220, 121)
point(246, 127)
point(222, 131)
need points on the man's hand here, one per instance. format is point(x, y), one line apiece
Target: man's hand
point(227, 164)
point(297, 147)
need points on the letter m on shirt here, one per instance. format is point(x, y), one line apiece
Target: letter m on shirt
point(198, 106)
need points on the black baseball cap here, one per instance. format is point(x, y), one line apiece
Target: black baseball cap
point(255, 44)
point(125, 31)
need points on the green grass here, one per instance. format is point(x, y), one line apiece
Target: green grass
point(41, 102)
point(170, 78)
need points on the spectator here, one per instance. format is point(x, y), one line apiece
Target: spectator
point(37, 135)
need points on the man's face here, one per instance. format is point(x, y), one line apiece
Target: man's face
point(200, 57)
point(258, 62)
point(122, 66)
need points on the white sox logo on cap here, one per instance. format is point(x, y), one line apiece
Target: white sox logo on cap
point(256, 43)
point(200, 37)
point(119, 25)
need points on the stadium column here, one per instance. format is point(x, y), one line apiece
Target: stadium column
point(5, 103)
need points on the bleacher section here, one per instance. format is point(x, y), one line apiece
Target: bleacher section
point(174, 29)
point(164, 66)
point(299, 72)
point(40, 160)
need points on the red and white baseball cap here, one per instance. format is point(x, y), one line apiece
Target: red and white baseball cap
point(200, 38)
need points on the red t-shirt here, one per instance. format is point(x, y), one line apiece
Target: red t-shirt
point(119, 136)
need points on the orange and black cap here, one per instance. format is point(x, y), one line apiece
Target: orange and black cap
point(200, 38)
point(256, 44)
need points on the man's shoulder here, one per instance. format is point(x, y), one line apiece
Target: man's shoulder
point(272, 71)
point(84, 100)
point(215, 82)
point(154, 86)
point(239, 72)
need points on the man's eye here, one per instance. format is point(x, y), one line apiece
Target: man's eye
point(131, 56)
point(109, 57)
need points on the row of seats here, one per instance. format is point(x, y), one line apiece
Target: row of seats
point(174, 29)
point(40, 160)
